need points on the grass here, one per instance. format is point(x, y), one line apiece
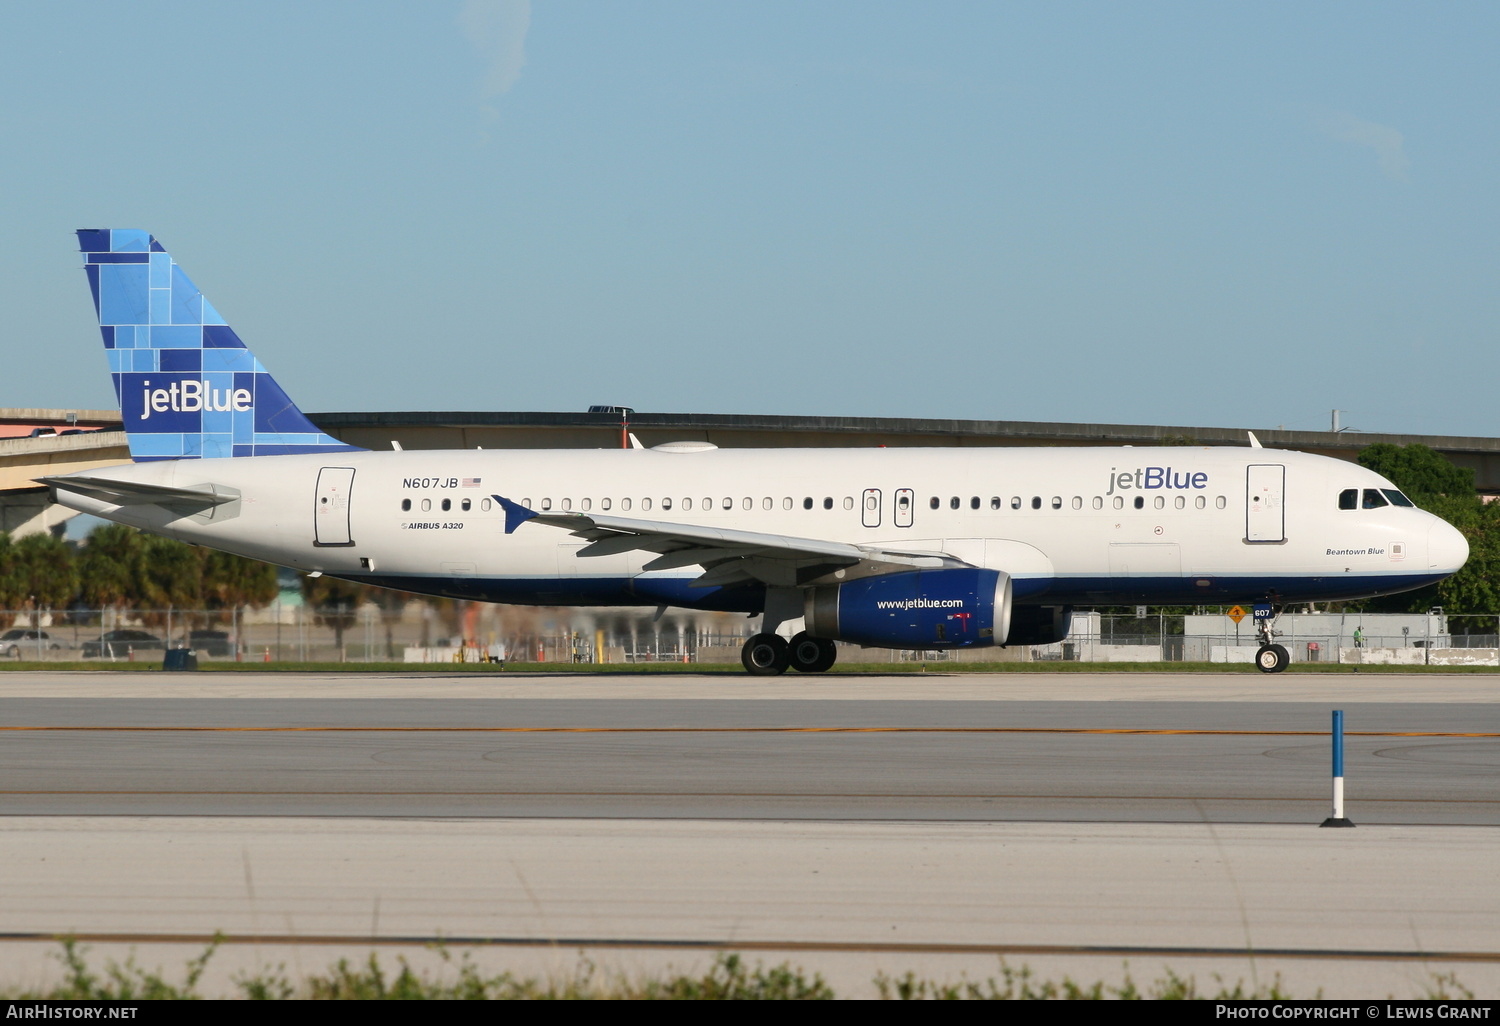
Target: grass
point(730, 978)
point(733, 669)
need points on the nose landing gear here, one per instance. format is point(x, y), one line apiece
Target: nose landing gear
point(1270, 657)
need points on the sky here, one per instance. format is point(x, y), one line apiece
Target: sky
point(1199, 214)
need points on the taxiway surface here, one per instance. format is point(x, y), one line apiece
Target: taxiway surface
point(1087, 819)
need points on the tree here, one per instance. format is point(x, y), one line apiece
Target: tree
point(231, 581)
point(110, 566)
point(1418, 471)
point(171, 578)
point(334, 603)
point(1447, 491)
point(44, 571)
point(10, 597)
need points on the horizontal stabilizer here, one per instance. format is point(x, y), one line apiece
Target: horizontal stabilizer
point(133, 493)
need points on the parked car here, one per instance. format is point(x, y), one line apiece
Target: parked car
point(118, 644)
point(208, 643)
point(21, 640)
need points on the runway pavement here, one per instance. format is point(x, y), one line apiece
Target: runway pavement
point(1155, 818)
point(999, 747)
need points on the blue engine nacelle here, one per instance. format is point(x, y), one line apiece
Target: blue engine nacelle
point(961, 607)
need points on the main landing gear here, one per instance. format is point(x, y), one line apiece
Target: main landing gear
point(1270, 657)
point(766, 655)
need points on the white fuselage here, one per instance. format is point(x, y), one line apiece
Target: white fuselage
point(1069, 525)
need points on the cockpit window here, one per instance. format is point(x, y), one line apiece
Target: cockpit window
point(1397, 499)
point(1374, 500)
point(1349, 498)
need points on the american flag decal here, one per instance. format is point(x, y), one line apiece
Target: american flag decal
point(471, 482)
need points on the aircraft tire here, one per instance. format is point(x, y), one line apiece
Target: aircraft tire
point(812, 655)
point(1272, 658)
point(765, 655)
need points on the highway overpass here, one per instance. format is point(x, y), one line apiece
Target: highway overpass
point(23, 505)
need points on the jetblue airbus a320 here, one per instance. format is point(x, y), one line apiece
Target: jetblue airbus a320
point(896, 548)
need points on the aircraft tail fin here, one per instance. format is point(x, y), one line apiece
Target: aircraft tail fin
point(188, 388)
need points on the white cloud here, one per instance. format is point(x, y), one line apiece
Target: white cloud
point(497, 28)
point(1387, 142)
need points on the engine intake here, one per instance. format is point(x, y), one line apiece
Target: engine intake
point(961, 607)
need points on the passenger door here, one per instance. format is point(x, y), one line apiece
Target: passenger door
point(331, 509)
point(1265, 503)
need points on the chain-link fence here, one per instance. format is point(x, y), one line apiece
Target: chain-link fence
point(473, 632)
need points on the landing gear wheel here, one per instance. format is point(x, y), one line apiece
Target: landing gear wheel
point(1272, 658)
point(810, 654)
point(765, 655)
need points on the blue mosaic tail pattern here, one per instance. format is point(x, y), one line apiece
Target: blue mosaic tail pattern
point(188, 387)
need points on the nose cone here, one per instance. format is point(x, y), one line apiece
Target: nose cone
point(1447, 548)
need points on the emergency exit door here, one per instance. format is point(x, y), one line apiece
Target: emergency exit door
point(905, 502)
point(1265, 503)
point(870, 507)
point(331, 509)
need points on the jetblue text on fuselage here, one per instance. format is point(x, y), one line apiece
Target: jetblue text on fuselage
point(1155, 477)
point(191, 397)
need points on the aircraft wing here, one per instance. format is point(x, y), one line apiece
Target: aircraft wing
point(134, 493)
point(728, 556)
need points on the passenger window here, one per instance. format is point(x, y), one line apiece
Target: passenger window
point(1397, 499)
point(1181, 502)
point(546, 505)
point(1015, 502)
point(1036, 502)
point(1219, 502)
point(567, 504)
point(994, 502)
point(645, 504)
point(1373, 499)
point(625, 504)
point(728, 502)
point(828, 503)
point(405, 505)
point(1140, 502)
point(447, 505)
point(465, 505)
point(484, 505)
point(974, 502)
point(871, 502)
point(1200, 501)
point(604, 504)
point(766, 503)
point(426, 505)
point(1349, 498)
point(527, 504)
point(786, 503)
point(936, 502)
point(1057, 502)
point(953, 502)
point(1161, 502)
point(708, 504)
point(1078, 502)
point(687, 504)
point(666, 504)
point(807, 503)
point(1098, 502)
point(748, 503)
point(1119, 502)
point(848, 502)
